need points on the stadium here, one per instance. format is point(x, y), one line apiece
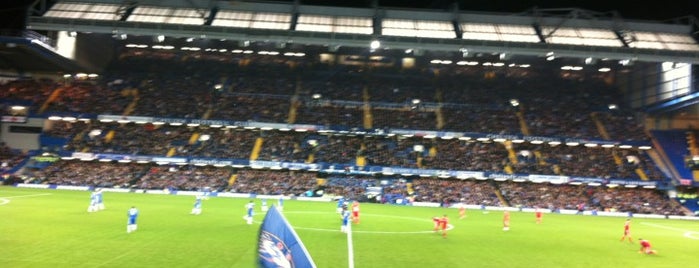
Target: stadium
point(450, 128)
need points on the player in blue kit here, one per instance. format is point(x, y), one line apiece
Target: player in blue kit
point(100, 200)
point(340, 203)
point(196, 210)
point(345, 215)
point(131, 223)
point(93, 202)
point(280, 203)
point(249, 207)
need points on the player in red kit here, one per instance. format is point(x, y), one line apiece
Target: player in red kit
point(443, 223)
point(506, 221)
point(645, 247)
point(355, 212)
point(436, 221)
point(539, 215)
point(627, 231)
point(462, 211)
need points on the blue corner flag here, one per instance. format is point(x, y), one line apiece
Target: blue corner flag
point(279, 245)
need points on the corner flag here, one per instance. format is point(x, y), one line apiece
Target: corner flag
point(279, 245)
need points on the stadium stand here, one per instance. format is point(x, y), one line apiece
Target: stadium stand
point(271, 123)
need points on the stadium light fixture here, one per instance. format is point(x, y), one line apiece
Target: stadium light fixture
point(375, 44)
point(624, 146)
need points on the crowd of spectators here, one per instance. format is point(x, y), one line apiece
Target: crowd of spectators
point(295, 183)
point(178, 85)
point(89, 173)
point(373, 150)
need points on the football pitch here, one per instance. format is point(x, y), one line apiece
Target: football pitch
point(52, 228)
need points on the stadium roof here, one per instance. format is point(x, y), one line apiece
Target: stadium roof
point(26, 54)
point(538, 32)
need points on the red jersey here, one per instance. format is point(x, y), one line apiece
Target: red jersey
point(645, 244)
point(627, 226)
point(443, 222)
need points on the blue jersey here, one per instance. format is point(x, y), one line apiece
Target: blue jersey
point(93, 199)
point(250, 207)
point(197, 202)
point(132, 214)
point(280, 202)
point(345, 217)
point(340, 202)
point(99, 197)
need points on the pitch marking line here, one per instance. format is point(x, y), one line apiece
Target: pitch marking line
point(6, 199)
point(449, 227)
point(686, 233)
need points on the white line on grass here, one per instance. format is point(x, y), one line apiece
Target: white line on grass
point(449, 227)
point(6, 199)
point(28, 195)
point(350, 247)
point(686, 233)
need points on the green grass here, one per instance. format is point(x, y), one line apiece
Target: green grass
point(52, 228)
